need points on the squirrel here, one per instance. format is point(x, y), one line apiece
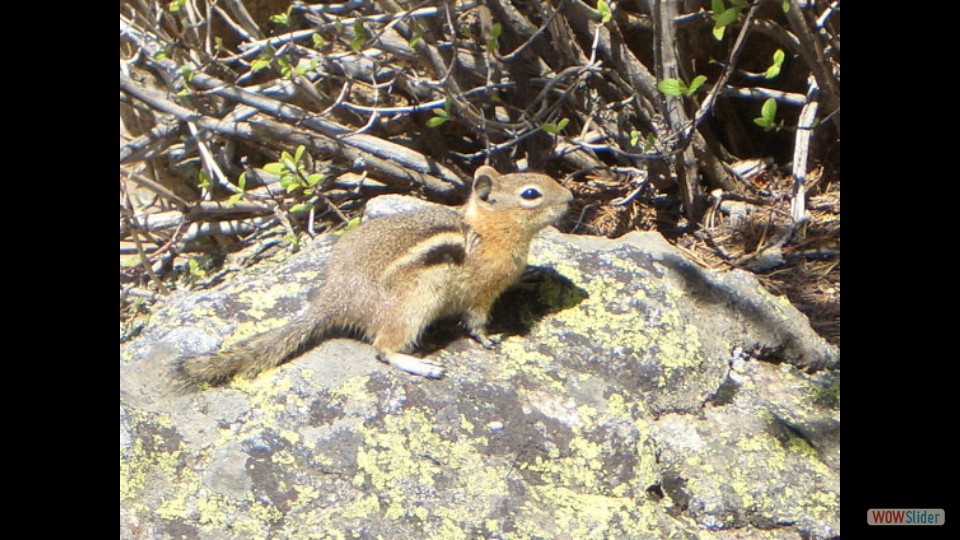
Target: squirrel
point(393, 276)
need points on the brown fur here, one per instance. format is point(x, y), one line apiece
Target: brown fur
point(395, 275)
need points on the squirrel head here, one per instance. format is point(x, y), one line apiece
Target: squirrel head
point(526, 202)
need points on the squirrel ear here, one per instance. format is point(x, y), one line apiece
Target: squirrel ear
point(483, 181)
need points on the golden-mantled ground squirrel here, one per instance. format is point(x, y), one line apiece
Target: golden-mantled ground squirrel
point(393, 276)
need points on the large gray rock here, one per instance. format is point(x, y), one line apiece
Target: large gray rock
point(634, 396)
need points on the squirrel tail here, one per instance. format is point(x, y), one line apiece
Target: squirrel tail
point(253, 355)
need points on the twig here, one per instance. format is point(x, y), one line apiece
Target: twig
point(373, 150)
point(156, 188)
point(134, 227)
point(210, 162)
point(150, 143)
point(685, 164)
point(533, 36)
point(249, 24)
point(788, 98)
point(586, 21)
point(801, 153)
point(226, 228)
point(814, 254)
point(812, 54)
point(822, 19)
point(707, 105)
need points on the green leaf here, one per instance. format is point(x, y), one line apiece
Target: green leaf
point(416, 36)
point(650, 143)
point(553, 129)
point(275, 169)
point(176, 5)
point(290, 183)
point(352, 224)
point(285, 68)
point(696, 84)
point(717, 7)
point(718, 32)
point(605, 13)
point(768, 114)
point(294, 241)
point(242, 181)
point(195, 269)
point(634, 138)
point(187, 73)
point(318, 41)
point(774, 69)
point(299, 154)
point(301, 207)
point(726, 17)
point(495, 32)
point(672, 87)
point(234, 199)
point(258, 64)
point(357, 42)
point(281, 19)
point(440, 115)
point(204, 180)
point(769, 109)
point(786, 6)
point(314, 179)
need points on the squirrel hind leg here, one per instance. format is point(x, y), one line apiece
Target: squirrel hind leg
point(410, 364)
point(401, 334)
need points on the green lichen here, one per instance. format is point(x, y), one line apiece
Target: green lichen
point(260, 306)
point(801, 447)
point(212, 508)
point(138, 462)
point(404, 456)
point(751, 472)
point(828, 396)
point(516, 358)
point(133, 470)
point(660, 332)
point(574, 514)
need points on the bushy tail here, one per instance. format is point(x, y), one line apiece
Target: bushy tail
point(253, 355)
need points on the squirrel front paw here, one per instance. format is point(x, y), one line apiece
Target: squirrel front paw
point(487, 341)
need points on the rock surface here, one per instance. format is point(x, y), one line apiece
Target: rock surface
point(633, 396)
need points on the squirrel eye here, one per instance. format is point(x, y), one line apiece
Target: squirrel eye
point(531, 193)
